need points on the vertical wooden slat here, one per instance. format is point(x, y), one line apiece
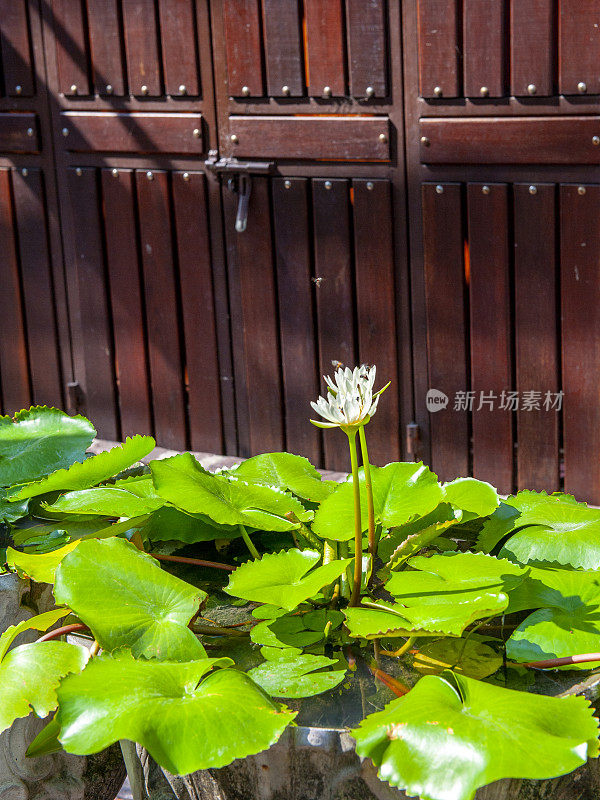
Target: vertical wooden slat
point(283, 47)
point(99, 380)
point(532, 49)
point(367, 47)
point(579, 47)
point(105, 44)
point(14, 374)
point(445, 286)
point(536, 352)
point(161, 309)
point(254, 319)
point(490, 333)
point(16, 52)
point(298, 346)
point(325, 43)
point(242, 44)
point(580, 296)
point(483, 57)
point(438, 48)
point(197, 299)
point(122, 256)
point(179, 51)
point(71, 53)
point(334, 286)
point(375, 300)
point(141, 40)
point(38, 290)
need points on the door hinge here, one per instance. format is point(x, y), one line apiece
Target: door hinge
point(413, 440)
point(239, 180)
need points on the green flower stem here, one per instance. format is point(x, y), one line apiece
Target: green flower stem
point(253, 551)
point(401, 650)
point(369, 488)
point(305, 531)
point(355, 596)
point(329, 552)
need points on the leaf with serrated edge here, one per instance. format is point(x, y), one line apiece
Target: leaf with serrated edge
point(94, 470)
point(106, 501)
point(470, 494)
point(40, 440)
point(281, 578)
point(285, 471)
point(41, 622)
point(545, 528)
point(296, 677)
point(471, 657)
point(128, 600)
point(184, 722)
point(188, 486)
point(401, 491)
point(478, 733)
point(39, 567)
point(284, 632)
point(385, 620)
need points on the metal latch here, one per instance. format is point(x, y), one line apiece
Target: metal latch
point(239, 180)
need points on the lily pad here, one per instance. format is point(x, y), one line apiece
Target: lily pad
point(186, 721)
point(283, 579)
point(471, 657)
point(288, 472)
point(91, 472)
point(187, 485)
point(472, 495)
point(478, 733)
point(401, 491)
point(129, 601)
point(107, 501)
point(39, 567)
point(296, 677)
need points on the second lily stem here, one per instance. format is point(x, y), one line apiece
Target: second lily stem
point(355, 597)
point(249, 544)
point(369, 489)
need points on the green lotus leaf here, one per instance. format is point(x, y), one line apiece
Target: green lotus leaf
point(187, 485)
point(553, 587)
point(317, 620)
point(40, 440)
point(41, 622)
point(46, 742)
point(169, 524)
point(381, 619)
point(455, 590)
point(129, 601)
point(471, 657)
point(107, 501)
point(281, 578)
point(405, 540)
point(296, 677)
point(285, 632)
point(545, 528)
point(186, 721)
point(288, 472)
point(451, 735)
point(468, 494)
point(30, 675)
point(39, 567)
point(11, 512)
point(94, 470)
point(401, 491)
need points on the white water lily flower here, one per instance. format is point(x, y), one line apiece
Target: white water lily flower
point(350, 399)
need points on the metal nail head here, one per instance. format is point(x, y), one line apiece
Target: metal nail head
point(234, 138)
point(186, 176)
point(79, 172)
point(328, 184)
point(73, 88)
point(484, 91)
point(370, 186)
point(65, 131)
point(425, 141)
point(30, 132)
point(533, 190)
point(245, 91)
point(109, 88)
point(25, 172)
point(183, 89)
point(581, 190)
point(485, 189)
point(438, 91)
point(287, 184)
point(150, 176)
point(18, 89)
point(439, 189)
point(582, 87)
point(196, 133)
point(596, 140)
point(532, 89)
point(369, 92)
point(285, 91)
point(144, 89)
point(383, 137)
point(327, 91)
point(115, 173)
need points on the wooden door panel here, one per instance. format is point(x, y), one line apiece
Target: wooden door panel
point(105, 47)
point(17, 65)
point(242, 39)
point(283, 48)
point(438, 26)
